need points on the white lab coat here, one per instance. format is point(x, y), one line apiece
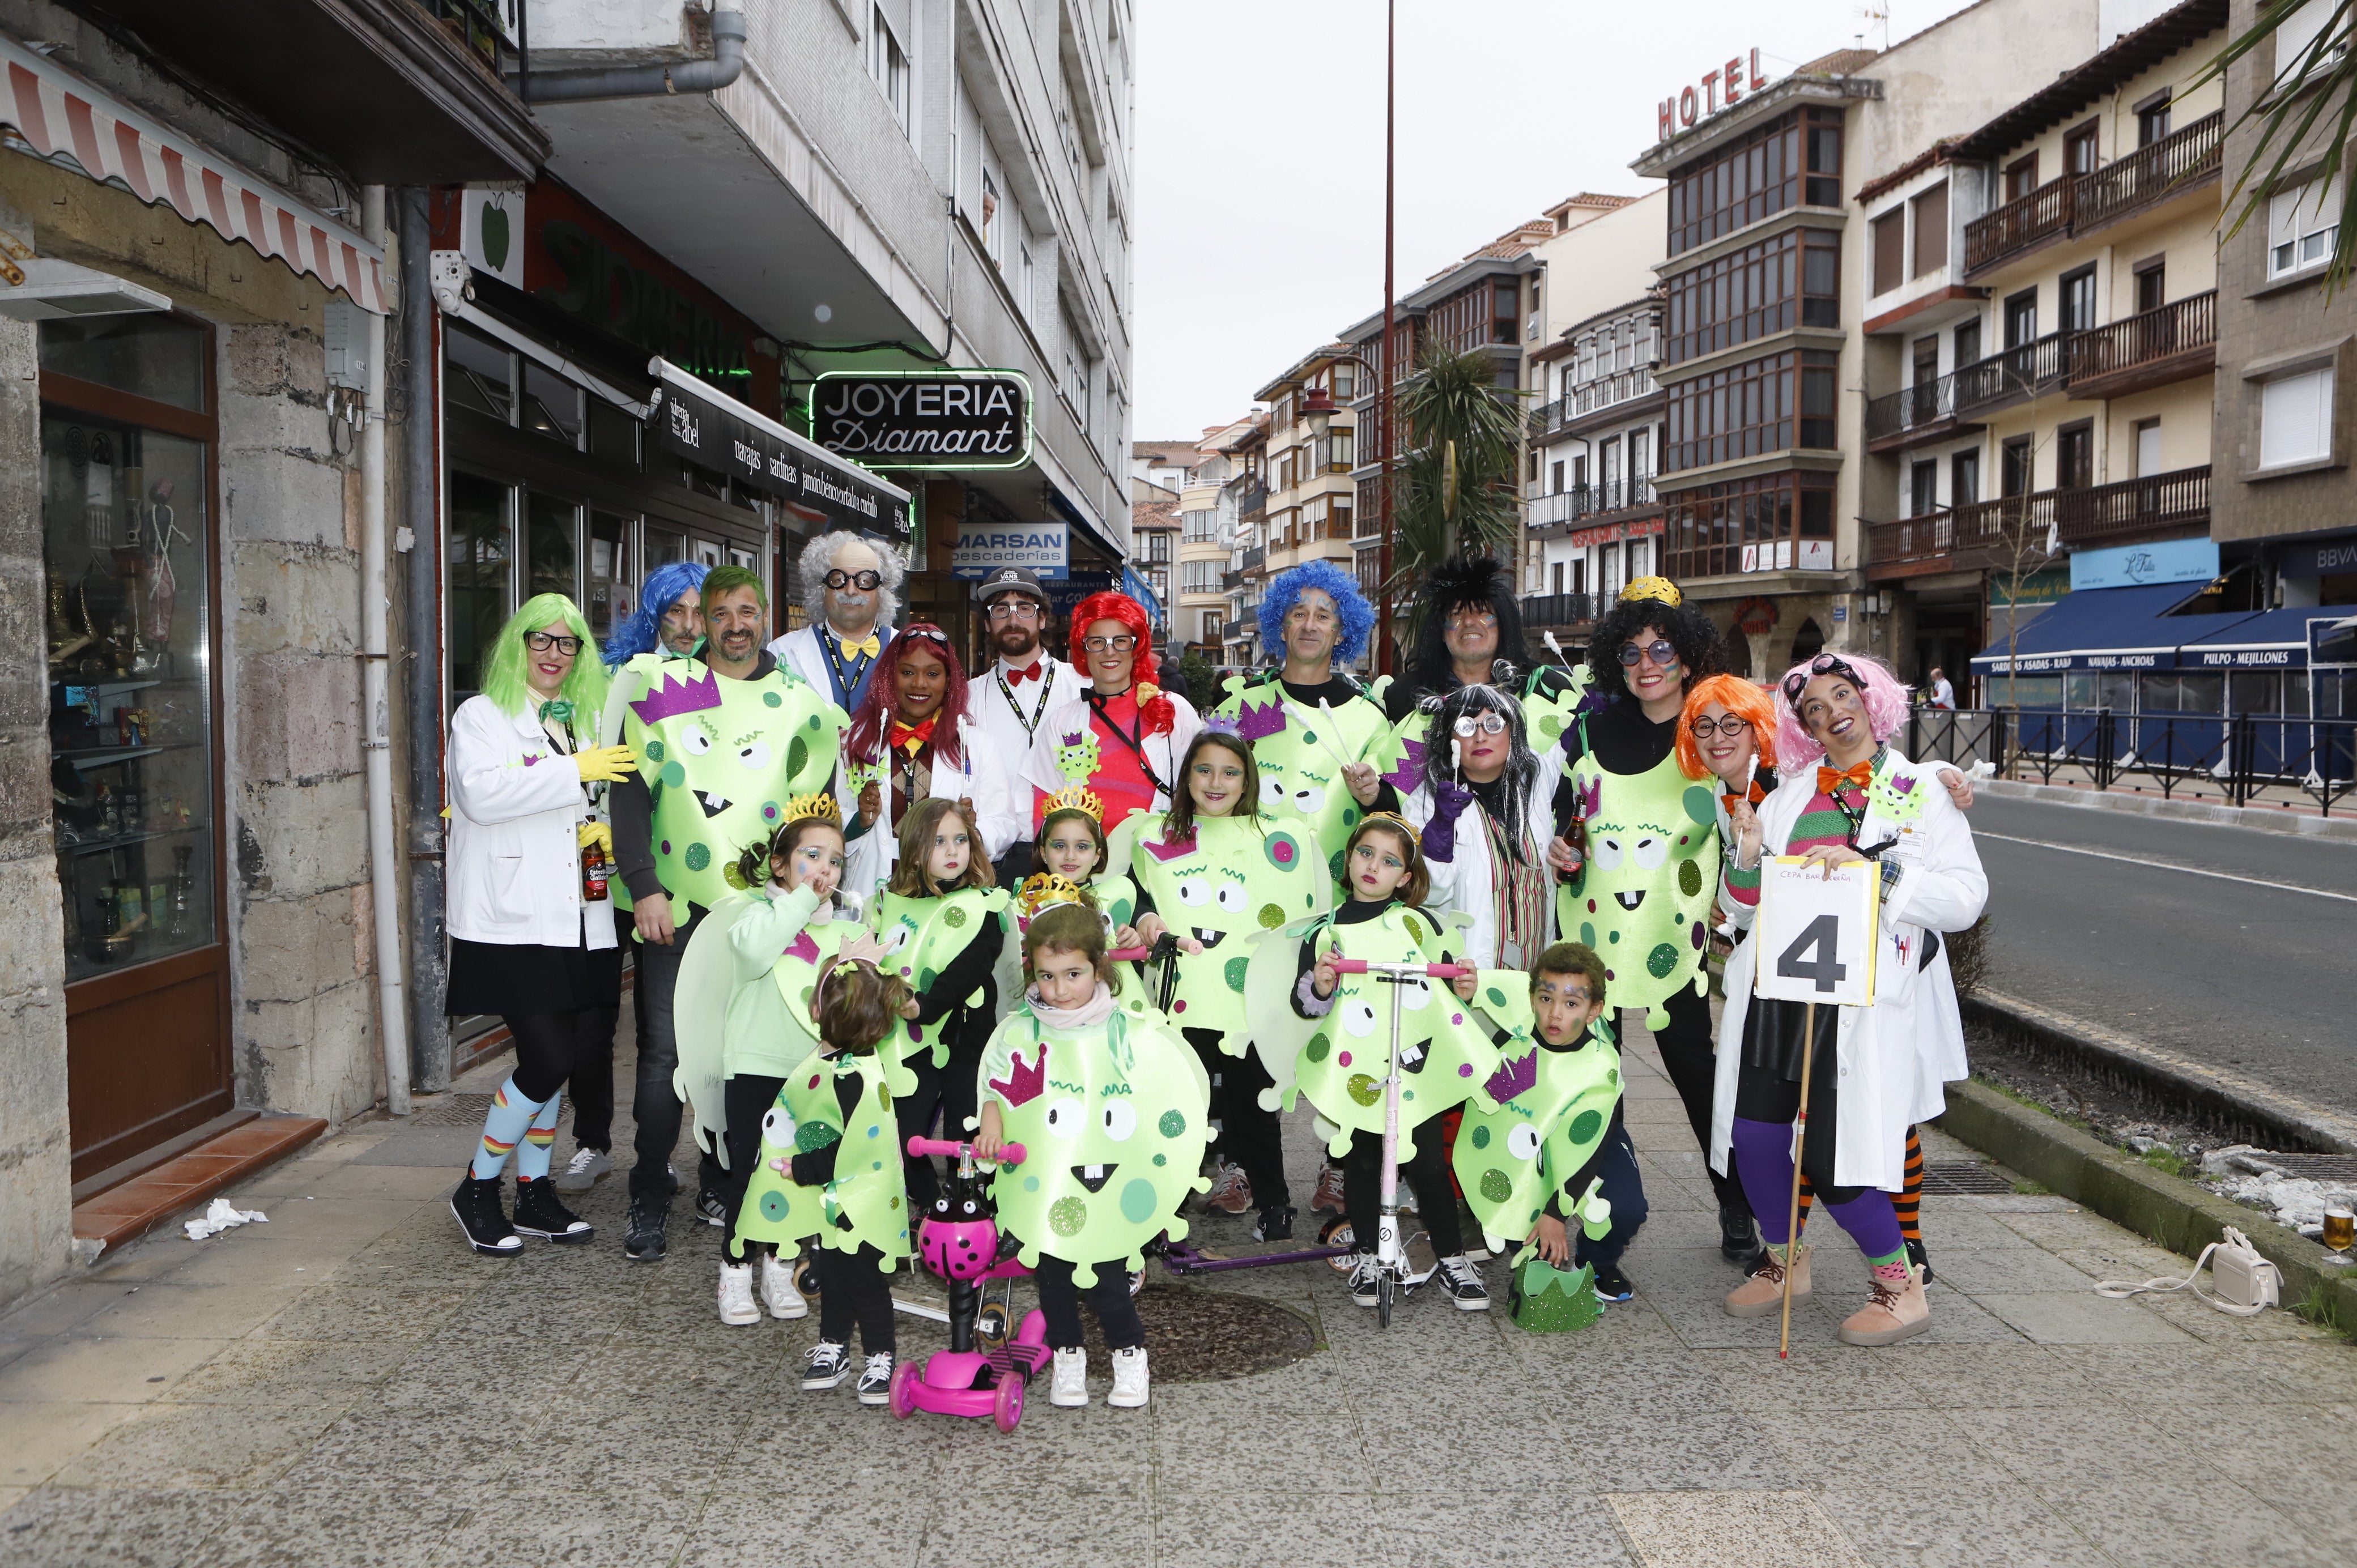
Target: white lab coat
point(1462, 882)
point(1895, 1057)
point(798, 651)
point(1001, 728)
point(983, 775)
point(516, 807)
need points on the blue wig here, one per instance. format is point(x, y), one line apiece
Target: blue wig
point(1358, 619)
point(661, 590)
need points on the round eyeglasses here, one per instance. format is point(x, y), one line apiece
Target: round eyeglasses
point(1730, 727)
point(1470, 724)
point(865, 582)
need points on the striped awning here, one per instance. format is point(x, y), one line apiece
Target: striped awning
point(65, 119)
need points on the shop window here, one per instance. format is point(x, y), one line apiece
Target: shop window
point(2295, 419)
point(479, 587)
point(553, 543)
point(476, 373)
point(663, 546)
point(150, 356)
point(611, 584)
point(2302, 225)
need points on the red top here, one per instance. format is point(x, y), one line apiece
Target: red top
point(1120, 779)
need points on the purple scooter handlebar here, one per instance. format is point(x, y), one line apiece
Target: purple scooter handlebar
point(1436, 971)
point(1012, 1155)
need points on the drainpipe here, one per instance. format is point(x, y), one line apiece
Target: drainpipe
point(376, 700)
point(646, 81)
point(421, 490)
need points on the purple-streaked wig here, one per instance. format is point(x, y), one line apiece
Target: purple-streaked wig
point(1885, 708)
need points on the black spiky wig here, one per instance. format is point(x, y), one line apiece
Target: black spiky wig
point(1690, 631)
point(1460, 580)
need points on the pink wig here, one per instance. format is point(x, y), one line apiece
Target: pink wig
point(1885, 708)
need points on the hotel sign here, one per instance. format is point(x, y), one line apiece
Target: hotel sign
point(1722, 88)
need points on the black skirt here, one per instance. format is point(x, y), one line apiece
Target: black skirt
point(515, 980)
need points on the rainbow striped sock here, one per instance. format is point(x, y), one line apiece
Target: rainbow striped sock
point(504, 1128)
point(539, 1139)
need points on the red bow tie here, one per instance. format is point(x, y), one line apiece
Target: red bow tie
point(1858, 776)
point(1036, 670)
point(911, 738)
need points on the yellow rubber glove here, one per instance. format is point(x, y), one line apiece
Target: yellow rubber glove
point(599, 834)
point(605, 764)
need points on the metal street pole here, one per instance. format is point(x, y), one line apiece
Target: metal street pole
point(1383, 423)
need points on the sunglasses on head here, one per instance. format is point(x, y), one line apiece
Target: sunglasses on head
point(1823, 664)
point(927, 632)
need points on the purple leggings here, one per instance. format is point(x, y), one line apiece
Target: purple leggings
point(1763, 1161)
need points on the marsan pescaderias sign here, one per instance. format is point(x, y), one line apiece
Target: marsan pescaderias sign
point(924, 419)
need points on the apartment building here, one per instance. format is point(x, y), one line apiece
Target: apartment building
point(1153, 536)
point(1237, 455)
point(2042, 307)
point(1763, 355)
point(1312, 506)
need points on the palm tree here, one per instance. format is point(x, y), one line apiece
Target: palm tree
point(2319, 88)
point(1457, 490)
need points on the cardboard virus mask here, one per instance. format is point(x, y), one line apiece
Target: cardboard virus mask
point(1300, 752)
point(1554, 1108)
point(867, 1202)
point(1643, 891)
point(1237, 878)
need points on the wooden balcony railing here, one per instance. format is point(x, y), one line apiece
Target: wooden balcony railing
point(2187, 326)
point(2080, 204)
point(2177, 502)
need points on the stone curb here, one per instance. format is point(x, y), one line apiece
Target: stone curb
point(2262, 819)
point(2169, 1210)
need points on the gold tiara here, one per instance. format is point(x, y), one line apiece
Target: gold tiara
point(819, 804)
point(1397, 822)
point(1042, 893)
point(1077, 798)
point(1659, 589)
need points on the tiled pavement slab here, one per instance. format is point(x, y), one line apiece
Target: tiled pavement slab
point(348, 1385)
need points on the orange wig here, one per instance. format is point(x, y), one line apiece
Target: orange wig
point(1738, 697)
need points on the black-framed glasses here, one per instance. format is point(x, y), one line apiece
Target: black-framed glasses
point(1823, 664)
point(1706, 728)
point(1661, 651)
point(1108, 644)
point(548, 641)
point(866, 582)
point(1470, 724)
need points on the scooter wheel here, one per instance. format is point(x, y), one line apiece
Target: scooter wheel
point(1383, 1301)
point(902, 1394)
point(1007, 1411)
point(990, 1327)
point(1337, 1232)
point(806, 1277)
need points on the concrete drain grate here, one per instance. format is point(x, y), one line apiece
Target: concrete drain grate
point(1964, 1178)
point(2315, 1167)
point(451, 1110)
point(1198, 1336)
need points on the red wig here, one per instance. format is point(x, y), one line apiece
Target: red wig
point(864, 743)
point(1156, 710)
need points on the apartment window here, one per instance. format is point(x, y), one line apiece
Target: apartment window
point(2078, 150)
point(1927, 361)
point(2148, 448)
point(2302, 225)
point(2021, 318)
point(1748, 409)
point(2296, 36)
point(1158, 547)
point(1338, 446)
point(994, 228)
point(2295, 419)
point(2016, 473)
point(1774, 522)
point(2074, 456)
point(2077, 300)
point(1760, 289)
point(1931, 230)
point(1968, 343)
point(1641, 456)
point(1557, 575)
point(888, 64)
point(2153, 117)
point(1346, 381)
point(1203, 527)
point(1758, 175)
point(1922, 489)
point(1555, 477)
point(1889, 250)
point(1506, 311)
point(1964, 478)
point(2151, 284)
point(1212, 625)
point(2021, 178)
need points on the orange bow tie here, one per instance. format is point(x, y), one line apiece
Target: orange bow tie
point(1857, 776)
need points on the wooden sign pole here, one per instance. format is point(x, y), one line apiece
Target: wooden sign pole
point(1800, 1149)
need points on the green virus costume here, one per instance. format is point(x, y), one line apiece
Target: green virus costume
point(921, 936)
point(1237, 875)
point(865, 1203)
point(1446, 1050)
point(1550, 699)
point(1642, 895)
point(721, 758)
point(1113, 1120)
point(1554, 1108)
point(1295, 749)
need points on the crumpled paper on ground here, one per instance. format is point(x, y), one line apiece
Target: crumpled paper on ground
point(223, 1217)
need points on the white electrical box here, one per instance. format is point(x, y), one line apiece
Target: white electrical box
point(347, 335)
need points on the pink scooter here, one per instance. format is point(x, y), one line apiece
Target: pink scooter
point(959, 1241)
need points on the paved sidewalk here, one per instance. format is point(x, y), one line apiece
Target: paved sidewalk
point(347, 1385)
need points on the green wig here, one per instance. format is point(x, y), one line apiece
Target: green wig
point(504, 682)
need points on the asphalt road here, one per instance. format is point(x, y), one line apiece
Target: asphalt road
point(2259, 974)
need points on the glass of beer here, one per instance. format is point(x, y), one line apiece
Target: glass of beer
point(2340, 1228)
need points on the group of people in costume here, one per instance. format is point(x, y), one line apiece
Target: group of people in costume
point(871, 895)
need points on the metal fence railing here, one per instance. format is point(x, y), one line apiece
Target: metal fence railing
point(2243, 759)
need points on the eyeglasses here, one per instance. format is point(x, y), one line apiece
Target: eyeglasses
point(1108, 644)
point(1823, 664)
point(1013, 607)
point(1730, 727)
point(1470, 724)
point(544, 641)
point(925, 631)
point(863, 581)
point(1661, 652)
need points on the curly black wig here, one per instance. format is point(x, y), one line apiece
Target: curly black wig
point(1690, 631)
point(1482, 581)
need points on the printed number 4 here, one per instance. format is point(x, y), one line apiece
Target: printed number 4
point(1822, 938)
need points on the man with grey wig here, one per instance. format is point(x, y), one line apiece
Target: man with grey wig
point(850, 588)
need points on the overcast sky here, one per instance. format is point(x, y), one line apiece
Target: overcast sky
point(1260, 155)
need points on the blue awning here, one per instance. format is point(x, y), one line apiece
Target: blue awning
point(2100, 628)
point(2268, 639)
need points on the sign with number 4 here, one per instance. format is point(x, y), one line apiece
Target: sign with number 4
point(1816, 934)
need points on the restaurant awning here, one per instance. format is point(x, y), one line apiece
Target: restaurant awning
point(2133, 629)
point(713, 430)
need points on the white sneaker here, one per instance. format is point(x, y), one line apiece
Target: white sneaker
point(737, 1307)
point(777, 1287)
point(1071, 1388)
point(582, 1171)
point(1129, 1378)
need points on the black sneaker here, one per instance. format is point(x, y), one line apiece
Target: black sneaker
point(825, 1365)
point(1921, 1259)
point(538, 1212)
point(710, 1209)
point(1611, 1284)
point(1459, 1279)
point(876, 1379)
point(1364, 1276)
point(644, 1242)
point(1276, 1223)
point(1737, 1241)
point(484, 1218)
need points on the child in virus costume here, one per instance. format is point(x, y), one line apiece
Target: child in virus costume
point(944, 927)
point(741, 1038)
point(835, 1113)
point(1113, 1111)
point(1445, 1051)
point(1071, 845)
point(1554, 1154)
point(1213, 872)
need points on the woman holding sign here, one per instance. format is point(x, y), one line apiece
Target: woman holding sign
point(1885, 1026)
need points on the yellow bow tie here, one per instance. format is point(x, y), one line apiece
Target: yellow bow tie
point(853, 649)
